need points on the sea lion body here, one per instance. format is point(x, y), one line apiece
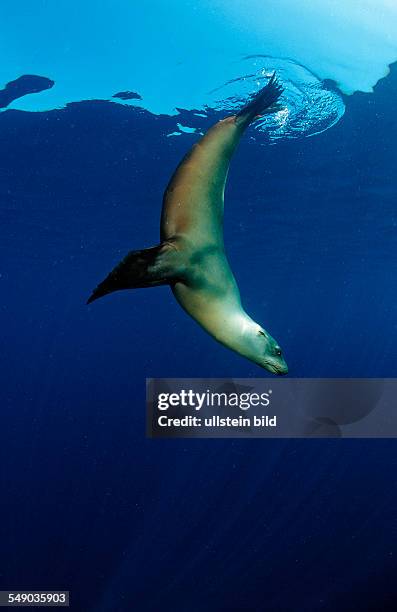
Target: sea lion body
point(194, 198)
point(192, 220)
point(191, 257)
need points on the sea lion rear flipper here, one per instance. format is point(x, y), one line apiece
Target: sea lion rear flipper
point(261, 103)
point(159, 265)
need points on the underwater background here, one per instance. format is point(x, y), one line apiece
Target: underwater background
point(128, 523)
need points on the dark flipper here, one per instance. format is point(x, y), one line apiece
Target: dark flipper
point(160, 265)
point(262, 102)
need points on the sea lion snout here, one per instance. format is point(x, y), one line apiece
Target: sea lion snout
point(280, 369)
point(275, 362)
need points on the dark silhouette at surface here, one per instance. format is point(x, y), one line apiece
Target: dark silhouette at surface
point(127, 95)
point(26, 84)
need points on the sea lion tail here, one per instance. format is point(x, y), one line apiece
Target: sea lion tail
point(262, 102)
point(158, 265)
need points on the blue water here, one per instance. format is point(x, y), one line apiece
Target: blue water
point(126, 523)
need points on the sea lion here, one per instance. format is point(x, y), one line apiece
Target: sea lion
point(191, 256)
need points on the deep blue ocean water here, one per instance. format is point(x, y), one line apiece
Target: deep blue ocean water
point(127, 523)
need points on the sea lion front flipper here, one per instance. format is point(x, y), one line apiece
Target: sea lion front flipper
point(159, 265)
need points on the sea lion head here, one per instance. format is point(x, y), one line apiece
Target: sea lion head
point(265, 351)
